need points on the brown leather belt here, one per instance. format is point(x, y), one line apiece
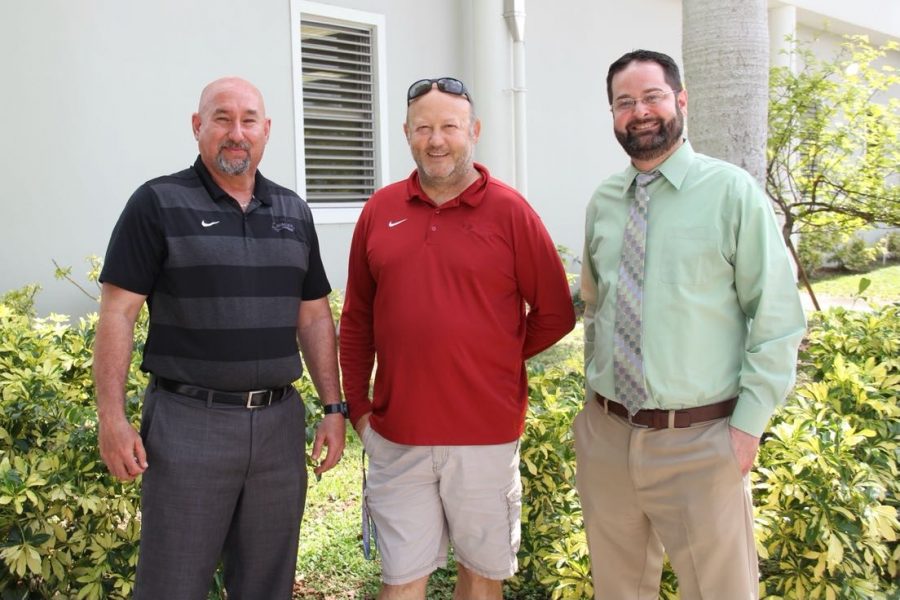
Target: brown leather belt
point(666, 419)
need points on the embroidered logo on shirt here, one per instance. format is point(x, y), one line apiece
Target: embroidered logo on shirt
point(395, 223)
point(283, 226)
point(210, 224)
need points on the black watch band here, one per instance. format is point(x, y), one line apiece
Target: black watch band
point(337, 407)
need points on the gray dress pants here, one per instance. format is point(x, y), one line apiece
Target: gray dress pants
point(223, 483)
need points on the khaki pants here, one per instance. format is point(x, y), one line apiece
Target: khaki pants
point(679, 491)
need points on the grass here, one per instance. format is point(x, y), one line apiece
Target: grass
point(885, 285)
point(330, 564)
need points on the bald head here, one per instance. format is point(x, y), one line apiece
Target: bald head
point(234, 84)
point(231, 127)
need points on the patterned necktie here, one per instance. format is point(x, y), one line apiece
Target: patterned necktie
point(628, 363)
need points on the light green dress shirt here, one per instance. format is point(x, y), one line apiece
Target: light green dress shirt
point(721, 310)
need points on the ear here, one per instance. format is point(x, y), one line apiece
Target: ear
point(406, 131)
point(267, 128)
point(476, 130)
point(195, 125)
point(682, 101)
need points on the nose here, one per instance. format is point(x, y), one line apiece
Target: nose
point(641, 108)
point(236, 132)
point(436, 138)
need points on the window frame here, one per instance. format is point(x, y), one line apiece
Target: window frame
point(340, 212)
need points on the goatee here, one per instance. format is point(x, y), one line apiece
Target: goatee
point(237, 166)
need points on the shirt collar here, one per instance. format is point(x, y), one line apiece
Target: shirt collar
point(674, 168)
point(260, 185)
point(472, 195)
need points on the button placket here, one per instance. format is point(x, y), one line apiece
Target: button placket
point(437, 212)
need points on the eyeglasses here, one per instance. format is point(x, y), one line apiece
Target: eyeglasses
point(447, 85)
point(650, 99)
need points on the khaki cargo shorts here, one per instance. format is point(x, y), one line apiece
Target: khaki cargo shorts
point(422, 498)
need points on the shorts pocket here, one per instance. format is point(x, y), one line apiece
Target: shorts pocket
point(513, 497)
point(367, 435)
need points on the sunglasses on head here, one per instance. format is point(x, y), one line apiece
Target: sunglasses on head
point(448, 85)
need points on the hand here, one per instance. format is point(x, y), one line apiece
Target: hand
point(121, 449)
point(331, 432)
point(361, 424)
point(745, 447)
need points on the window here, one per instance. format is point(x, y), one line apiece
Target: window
point(338, 87)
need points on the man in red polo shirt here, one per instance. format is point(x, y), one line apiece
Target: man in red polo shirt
point(442, 266)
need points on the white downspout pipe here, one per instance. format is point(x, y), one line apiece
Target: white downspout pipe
point(491, 82)
point(514, 14)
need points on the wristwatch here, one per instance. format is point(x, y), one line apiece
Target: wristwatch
point(337, 407)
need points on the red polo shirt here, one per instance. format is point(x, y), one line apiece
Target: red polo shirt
point(439, 294)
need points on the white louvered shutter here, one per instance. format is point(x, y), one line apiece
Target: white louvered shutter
point(338, 109)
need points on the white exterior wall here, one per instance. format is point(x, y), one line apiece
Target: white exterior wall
point(97, 97)
point(569, 47)
point(879, 18)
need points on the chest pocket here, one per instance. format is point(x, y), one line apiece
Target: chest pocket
point(690, 256)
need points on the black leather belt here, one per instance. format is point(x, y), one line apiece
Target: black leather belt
point(251, 399)
point(666, 419)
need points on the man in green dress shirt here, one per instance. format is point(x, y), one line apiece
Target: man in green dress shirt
point(719, 323)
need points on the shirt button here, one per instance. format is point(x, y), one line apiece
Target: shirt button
point(437, 212)
point(434, 227)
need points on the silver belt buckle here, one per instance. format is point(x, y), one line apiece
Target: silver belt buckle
point(250, 395)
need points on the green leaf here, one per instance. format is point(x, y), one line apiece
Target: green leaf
point(864, 284)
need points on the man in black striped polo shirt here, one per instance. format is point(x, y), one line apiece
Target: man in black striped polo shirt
point(228, 264)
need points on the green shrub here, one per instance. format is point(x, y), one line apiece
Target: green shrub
point(554, 549)
point(815, 247)
point(825, 487)
point(827, 481)
point(21, 300)
point(854, 255)
point(892, 243)
point(67, 528)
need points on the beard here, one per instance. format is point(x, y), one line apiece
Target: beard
point(650, 146)
point(237, 166)
point(439, 176)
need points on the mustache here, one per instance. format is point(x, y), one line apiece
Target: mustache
point(240, 145)
point(637, 122)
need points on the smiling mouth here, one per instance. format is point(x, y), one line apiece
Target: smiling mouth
point(644, 127)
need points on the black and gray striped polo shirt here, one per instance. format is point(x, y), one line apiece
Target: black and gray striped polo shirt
point(223, 286)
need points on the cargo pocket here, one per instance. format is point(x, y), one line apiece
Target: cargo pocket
point(513, 497)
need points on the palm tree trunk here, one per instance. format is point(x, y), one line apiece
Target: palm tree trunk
point(726, 67)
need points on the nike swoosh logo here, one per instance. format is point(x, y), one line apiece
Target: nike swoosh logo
point(395, 223)
point(210, 224)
